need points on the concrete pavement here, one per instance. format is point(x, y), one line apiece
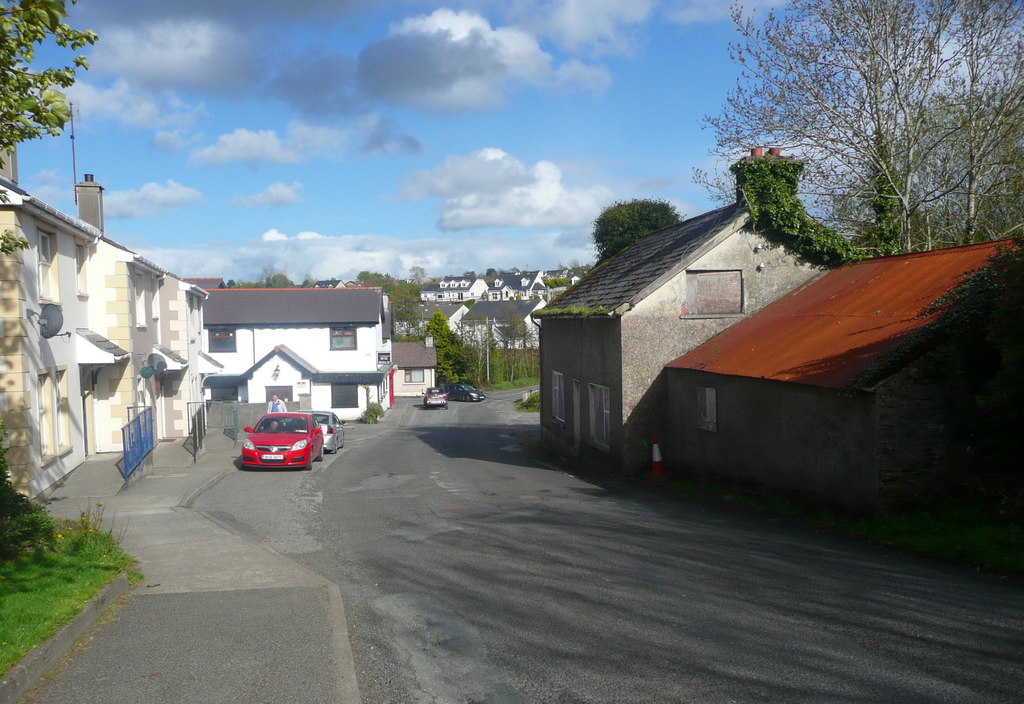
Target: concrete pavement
point(217, 618)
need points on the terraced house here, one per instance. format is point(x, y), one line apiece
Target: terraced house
point(82, 316)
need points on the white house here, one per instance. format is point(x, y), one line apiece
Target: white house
point(323, 348)
point(455, 289)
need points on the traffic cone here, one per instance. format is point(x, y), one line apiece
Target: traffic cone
point(657, 470)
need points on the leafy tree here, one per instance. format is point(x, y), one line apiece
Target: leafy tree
point(901, 109)
point(30, 103)
point(275, 278)
point(24, 526)
point(451, 355)
point(405, 301)
point(623, 223)
point(418, 274)
point(372, 278)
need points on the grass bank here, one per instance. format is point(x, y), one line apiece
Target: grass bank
point(41, 592)
point(961, 534)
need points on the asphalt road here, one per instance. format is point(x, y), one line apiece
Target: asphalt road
point(470, 572)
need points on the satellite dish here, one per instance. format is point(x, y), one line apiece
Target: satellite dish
point(161, 366)
point(51, 320)
point(154, 359)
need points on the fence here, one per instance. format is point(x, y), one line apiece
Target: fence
point(136, 438)
point(233, 416)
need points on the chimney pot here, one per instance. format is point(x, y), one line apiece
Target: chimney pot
point(775, 151)
point(757, 151)
point(88, 178)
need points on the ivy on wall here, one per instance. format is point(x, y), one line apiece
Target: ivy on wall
point(769, 186)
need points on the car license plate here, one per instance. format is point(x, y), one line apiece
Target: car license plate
point(273, 457)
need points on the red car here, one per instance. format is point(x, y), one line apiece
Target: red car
point(284, 440)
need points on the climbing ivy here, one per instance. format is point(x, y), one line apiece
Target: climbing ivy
point(769, 185)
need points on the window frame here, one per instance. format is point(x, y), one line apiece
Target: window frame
point(410, 376)
point(343, 332)
point(558, 395)
point(228, 334)
point(48, 288)
point(81, 268)
point(600, 416)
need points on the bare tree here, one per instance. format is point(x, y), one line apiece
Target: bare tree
point(877, 96)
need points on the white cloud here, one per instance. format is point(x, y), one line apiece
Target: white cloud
point(193, 53)
point(300, 143)
point(450, 61)
point(490, 188)
point(149, 199)
point(344, 256)
point(578, 75)
point(132, 106)
point(600, 25)
point(277, 193)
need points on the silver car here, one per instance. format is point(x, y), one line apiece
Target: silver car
point(334, 430)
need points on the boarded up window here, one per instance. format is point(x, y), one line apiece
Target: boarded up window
point(714, 293)
point(344, 396)
point(707, 409)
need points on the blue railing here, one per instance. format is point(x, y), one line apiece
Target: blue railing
point(137, 438)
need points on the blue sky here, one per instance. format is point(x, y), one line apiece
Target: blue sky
point(352, 135)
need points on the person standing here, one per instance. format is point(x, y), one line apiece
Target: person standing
point(276, 405)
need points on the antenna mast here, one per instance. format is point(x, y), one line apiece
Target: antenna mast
point(74, 162)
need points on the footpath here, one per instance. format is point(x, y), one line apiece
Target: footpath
point(217, 618)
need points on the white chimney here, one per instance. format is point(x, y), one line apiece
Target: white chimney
point(429, 341)
point(9, 168)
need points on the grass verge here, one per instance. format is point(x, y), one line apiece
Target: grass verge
point(41, 592)
point(530, 405)
point(965, 535)
point(517, 384)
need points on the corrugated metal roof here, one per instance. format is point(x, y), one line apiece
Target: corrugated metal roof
point(624, 276)
point(830, 330)
point(292, 306)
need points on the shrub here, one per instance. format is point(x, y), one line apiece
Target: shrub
point(373, 413)
point(24, 526)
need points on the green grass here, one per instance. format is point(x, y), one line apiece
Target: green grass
point(40, 593)
point(965, 535)
point(517, 384)
point(530, 405)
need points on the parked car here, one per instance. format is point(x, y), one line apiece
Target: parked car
point(463, 392)
point(433, 397)
point(283, 440)
point(333, 429)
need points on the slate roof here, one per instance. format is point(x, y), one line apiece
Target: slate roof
point(623, 278)
point(293, 306)
point(426, 310)
point(408, 355)
point(501, 310)
point(832, 329)
point(206, 283)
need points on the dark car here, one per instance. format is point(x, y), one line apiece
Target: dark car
point(463, 392)
point(284, 440)
point(433, 397)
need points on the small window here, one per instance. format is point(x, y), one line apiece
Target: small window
point(707, 409)
point(46, 268)
point(413, 376)
point(343, 338)
point(222, 340)
point(81, 259)
point(600, 416)
point(344, 396)
point(557, 395)
point(713, 293)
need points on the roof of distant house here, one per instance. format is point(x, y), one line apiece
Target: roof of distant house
point(832, 329)
point(408, 355)
point(426, 310)
point(625, 277)
point(283, 307)
point(501, 310)
point(206, 283)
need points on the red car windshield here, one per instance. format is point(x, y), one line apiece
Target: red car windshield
point(282, 425)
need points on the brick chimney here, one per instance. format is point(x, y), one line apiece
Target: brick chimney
point(90, 202)
point(9, 168)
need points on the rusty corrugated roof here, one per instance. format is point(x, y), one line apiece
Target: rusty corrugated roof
point(827, 332)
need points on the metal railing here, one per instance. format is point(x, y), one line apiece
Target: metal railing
point(136, 438)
